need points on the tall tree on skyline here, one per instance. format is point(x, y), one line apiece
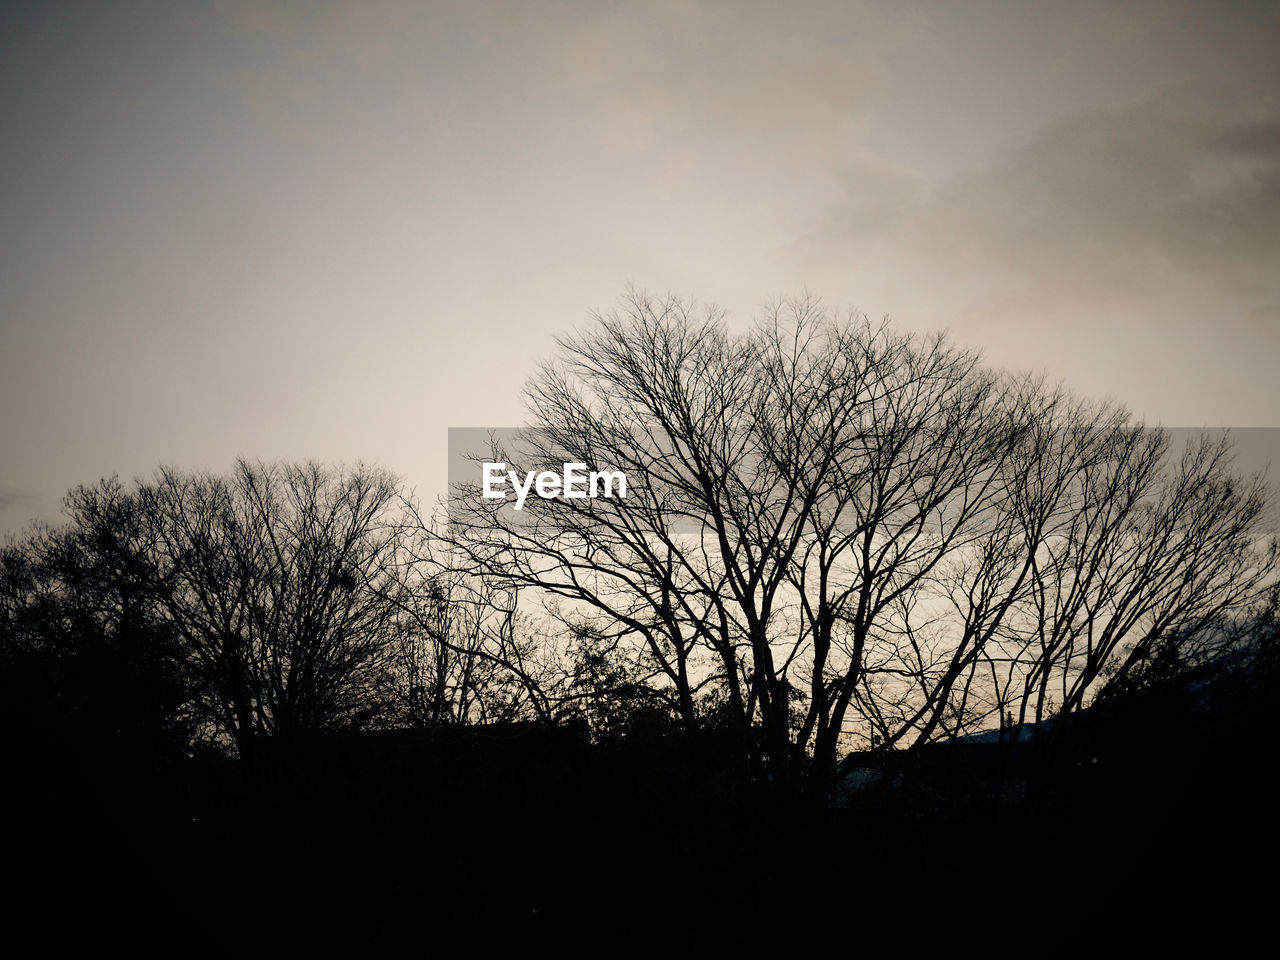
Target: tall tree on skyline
point(277, 580)
point(862, 521)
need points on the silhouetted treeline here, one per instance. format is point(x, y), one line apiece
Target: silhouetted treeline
point(1157, 794)
point(840, 534)
point(283, 697)
point(127, 797)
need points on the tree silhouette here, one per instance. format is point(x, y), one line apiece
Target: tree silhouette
point(872, 517)
point(280, 582)
point(89, 659)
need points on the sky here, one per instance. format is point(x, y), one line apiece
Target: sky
point(335, 230)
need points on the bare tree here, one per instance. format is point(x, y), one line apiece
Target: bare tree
point(842, 526)
point(277, 580)
point(466, 653)
point(85, 650)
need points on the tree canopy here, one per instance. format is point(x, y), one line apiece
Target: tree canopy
point(852, 533)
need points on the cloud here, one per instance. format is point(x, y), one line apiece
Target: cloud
point(1117, 201)
point(1127, 197)
point(18, 498)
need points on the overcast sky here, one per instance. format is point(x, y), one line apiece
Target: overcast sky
point(335, 230)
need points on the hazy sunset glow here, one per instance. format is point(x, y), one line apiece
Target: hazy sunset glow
point(336, 230)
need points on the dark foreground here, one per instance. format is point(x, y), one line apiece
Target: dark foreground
point(1152, 823)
